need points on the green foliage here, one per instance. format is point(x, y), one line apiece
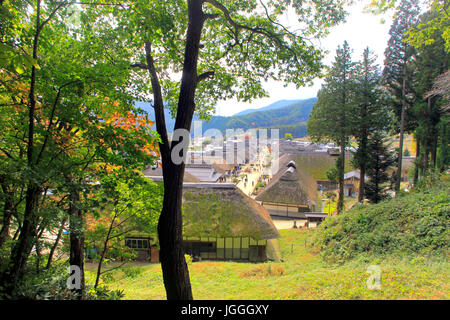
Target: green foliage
point(332, 174)
point(416, 223)
point(104, 293)
point(132, 272)
point(331, 115)
point(379, 161)
point(188, 259)
point(421, 34)
point(398, 72)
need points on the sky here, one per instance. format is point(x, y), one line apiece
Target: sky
point(360, 30)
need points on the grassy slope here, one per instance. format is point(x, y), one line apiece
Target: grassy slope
point(409, 225)
point(302, 275)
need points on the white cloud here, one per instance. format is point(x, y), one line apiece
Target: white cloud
point(360, 30)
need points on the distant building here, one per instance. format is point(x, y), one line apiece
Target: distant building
point(193, 173)
point(157, 175)
point(351, 183)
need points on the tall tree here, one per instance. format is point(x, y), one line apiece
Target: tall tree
point(397, 72)
point(69, 118)
point(430, 61)
point(370, 114)
point(331, 116)
point(421, 34)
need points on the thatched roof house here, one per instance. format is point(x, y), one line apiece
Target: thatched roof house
point(290, 186)
point(223, 210)
point(221, 223)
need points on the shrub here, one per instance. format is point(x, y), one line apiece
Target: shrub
point(409, 224)
point(188, 259)
point(132, 272)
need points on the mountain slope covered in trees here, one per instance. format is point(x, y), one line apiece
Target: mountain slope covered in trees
point(291, 118)
point(276, 105)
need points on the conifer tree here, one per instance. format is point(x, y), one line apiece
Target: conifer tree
point(397, 72)
point(370, 113)
point(331, 115)
point(430, 61)
point(378, 162)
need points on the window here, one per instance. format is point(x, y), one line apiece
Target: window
point(142, 243)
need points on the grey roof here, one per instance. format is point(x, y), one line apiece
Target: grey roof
point(352, 174)
point(203, 173)
point(316, 215)
point(192, 173)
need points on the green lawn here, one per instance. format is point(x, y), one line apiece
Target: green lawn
point(302, 275)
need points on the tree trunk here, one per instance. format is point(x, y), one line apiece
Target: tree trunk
point(105, 248)
point(76, 239)
point(55, 244)
point(417, 165)
point(402, 129)
point(434, 150)
point(174, 267)
point(362, 166)
point(7, 215)
point(22, 249)
point(340, 201)
point(362, 185)
point(173, 263)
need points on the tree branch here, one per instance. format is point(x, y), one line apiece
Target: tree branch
point(158, 103)
point(258, 30)
point(140, 66)
point(205, 75)
point(59, 6)
point(52, 115)
point(211, 16)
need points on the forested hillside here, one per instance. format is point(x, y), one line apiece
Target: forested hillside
point(288, 119)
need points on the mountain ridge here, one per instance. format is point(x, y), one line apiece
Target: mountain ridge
point(275, 105)
point(289, 116)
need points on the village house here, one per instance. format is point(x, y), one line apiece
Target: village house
point(351, 183)
point(220, 222)
point(290, 192)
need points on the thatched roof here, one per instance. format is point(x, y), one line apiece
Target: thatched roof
point(222, 210)
point(290, 185)
point(316, 164)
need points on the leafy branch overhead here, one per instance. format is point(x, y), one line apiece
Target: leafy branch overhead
point(242, 44)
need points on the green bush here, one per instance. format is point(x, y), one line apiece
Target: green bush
point(188, 259)
point(131, 272)
point(409, 224)
point(51, 284)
